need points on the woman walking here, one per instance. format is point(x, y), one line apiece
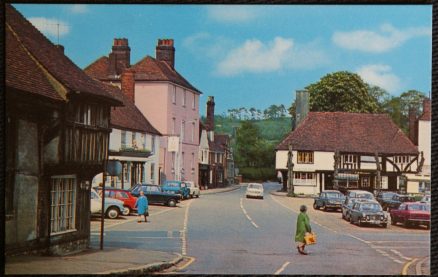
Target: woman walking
point(142, 207)
point(303, 227)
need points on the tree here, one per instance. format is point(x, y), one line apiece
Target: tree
point(341, 91)
point(380, 95)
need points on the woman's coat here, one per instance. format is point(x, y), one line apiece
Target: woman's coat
point(141, 204)
point(303, 226)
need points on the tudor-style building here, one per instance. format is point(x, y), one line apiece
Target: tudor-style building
point(347, 151)
point(57, 126)
point(166, 99)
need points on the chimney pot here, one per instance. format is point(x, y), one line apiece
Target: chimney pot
point(120, 56)
point(209, 121)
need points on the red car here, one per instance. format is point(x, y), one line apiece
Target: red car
point(120, 194)
point(411, 213)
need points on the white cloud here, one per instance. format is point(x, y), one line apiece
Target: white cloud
point(255, 56)
point(232, 13)
point(380, 75)
point(387, 38)
point(78, 8)
point(50, 26)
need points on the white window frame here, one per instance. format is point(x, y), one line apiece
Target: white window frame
point(184, 98)
point(63, 204)
point(174, 94)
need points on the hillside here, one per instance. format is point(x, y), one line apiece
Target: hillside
point(272, 130)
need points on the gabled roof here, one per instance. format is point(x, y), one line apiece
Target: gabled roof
point(129, 117)
point(23, 73)
point(150, 69)
point(98, 69)
point(349, 132)
point(52, 59)
point(219, 143)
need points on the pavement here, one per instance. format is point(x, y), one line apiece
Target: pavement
point(95, 261)
point(220, 190)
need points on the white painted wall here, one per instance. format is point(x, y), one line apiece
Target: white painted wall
point(424, 143)
point(322, 161)
point(115, 140)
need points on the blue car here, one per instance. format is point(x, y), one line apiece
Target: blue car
point(177, 187)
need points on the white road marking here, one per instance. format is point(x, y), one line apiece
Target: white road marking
point(400, 241)
point(281, 268)
point(246, 214)
point(400, 254)
point(313, 221)
point(362, 240)
point(184, 231)
point(383, 253)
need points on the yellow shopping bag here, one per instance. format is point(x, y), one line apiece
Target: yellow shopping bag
point(310, 238)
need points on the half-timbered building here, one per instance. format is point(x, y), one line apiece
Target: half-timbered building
point(57, 126)
point(339, 150)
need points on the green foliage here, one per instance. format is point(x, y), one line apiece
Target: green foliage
point(341, 91)
point(257, 173)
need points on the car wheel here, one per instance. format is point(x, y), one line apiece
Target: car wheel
point(351, 220)
point(324, 208)
point(112, 212)
point(393, 221)
point(197, 196)
point(171, 203)
point(315, 206)
point(406, 223)
point(428, 226)
point(385, 225)
point(343, 216)
point(126, 211)
point(261, 197)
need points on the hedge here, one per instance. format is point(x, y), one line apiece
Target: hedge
point(257, 173)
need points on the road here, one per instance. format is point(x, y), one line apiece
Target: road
point(226, 233)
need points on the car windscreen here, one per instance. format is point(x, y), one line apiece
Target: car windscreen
point(370, 207)
point(418, 207)
point(387, 195)
point(172, 185)
point(364, 195)
point(333, 195)
point(254, 186)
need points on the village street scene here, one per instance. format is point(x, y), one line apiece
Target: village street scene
point(215, 139)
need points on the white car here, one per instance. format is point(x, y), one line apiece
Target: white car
point(113, 207)
point(254, 190)
point(194, 189)
point(426, 198)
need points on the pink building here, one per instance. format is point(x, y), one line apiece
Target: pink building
point(165, 98)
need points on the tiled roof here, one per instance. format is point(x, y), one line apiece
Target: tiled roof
point(129, 117)
point(349, 132)
point(99, 68)
point(219, 143)
point(52, 59)
point(23, 73)
point(150, 69)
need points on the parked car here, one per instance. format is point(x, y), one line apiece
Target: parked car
point(122, 195)
point(384, 196)
point(113, 207)
point(347, 206)
point(411, 213)
point(396, 200)
point(329, 199)
point(156, 195)
point(178, 187)
point(426, 199)
point(254, 190)
point(193, 188)
point(360, 194)
point(368, 212)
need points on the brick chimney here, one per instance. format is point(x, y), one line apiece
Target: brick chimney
point(302, 106)
point(165, 51)
point(120, 57)
point(128, 84)
point(412, 117)
point(427, 113)
point(209, 121)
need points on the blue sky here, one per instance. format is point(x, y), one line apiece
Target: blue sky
point(255, 56)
